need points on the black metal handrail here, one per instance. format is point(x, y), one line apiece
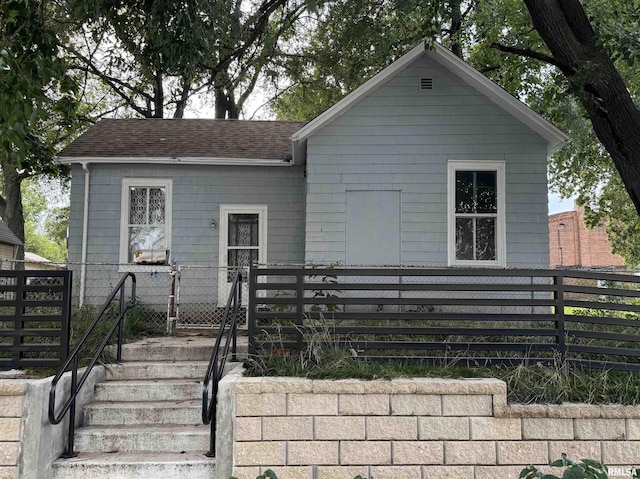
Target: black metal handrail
point(215, 370)
point(76, 385)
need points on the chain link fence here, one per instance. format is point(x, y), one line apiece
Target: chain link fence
point(201, 295)
point(180, 296)
point(94, 282)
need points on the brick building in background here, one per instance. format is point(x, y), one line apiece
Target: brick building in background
point(571, 243)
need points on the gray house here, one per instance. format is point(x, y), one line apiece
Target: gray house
point(9, 244)
point(427, 163)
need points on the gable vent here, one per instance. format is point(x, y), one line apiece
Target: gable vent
point(426, 83)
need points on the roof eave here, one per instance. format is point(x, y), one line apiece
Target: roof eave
point(177, 160)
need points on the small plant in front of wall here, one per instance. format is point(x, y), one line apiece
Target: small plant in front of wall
point(584, 469)
point(326, 279)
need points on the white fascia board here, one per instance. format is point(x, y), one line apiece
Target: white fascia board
point(555, 137)
point(187, 160)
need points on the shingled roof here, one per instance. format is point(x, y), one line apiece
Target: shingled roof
point(183, 138)
point(7, 236)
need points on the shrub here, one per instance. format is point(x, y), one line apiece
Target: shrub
point(584, 469)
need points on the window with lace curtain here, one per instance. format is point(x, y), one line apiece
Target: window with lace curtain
point(145, 233)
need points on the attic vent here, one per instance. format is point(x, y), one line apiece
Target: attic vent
point(426, 83)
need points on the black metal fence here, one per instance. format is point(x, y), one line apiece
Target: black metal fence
point(34, 318)
point(464, 316)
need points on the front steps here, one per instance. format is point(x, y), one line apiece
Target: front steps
point(145, 421)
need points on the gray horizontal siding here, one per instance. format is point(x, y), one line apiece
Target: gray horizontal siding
point(401, 138)
point(198, 192)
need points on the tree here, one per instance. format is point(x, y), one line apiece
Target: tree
point(349, 41)
point(578, 86)
point(500, 39)
point(577, 51)
point(154, 56)
point(36, 101)
point(45, 226)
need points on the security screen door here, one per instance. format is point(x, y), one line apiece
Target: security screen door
point(242, 243)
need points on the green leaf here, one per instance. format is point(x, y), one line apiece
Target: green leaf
point(573, 473)
point(595, 464)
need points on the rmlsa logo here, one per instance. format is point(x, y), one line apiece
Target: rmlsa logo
point(628, 472)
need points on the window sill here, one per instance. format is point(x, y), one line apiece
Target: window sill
point(144, 268)
point(477, 264)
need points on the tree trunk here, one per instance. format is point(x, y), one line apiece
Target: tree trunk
point(226, 107)
point(158, 96)
point(221, 104)
point(565, 28)
point(13, 215)
point(456, 26)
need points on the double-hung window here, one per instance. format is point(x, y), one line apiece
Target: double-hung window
point(145, 233)
point(476, 214)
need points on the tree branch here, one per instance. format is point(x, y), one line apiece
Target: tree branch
point(527, 52)
point(266, 9)
point(113, 83)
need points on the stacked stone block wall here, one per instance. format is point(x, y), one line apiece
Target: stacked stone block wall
point(414, 429)
point(12, 396)
point(29, 443)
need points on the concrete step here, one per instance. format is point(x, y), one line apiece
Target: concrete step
point(168, 349)
point(175, 349)
point(156, 412)
point(146, 418)
point(137, 438)
point(165, 465)
point(157, 370)
point(149, 390)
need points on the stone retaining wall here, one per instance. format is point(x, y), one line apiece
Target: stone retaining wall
point(28, 442)
point(408, 428)
point(12, 397)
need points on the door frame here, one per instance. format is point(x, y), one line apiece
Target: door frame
point(225, 211)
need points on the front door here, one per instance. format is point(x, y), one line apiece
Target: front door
point(243, 242)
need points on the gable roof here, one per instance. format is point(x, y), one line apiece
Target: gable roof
point(35, 258)
point(189, 141)
point(554, 136)
point(7, 236)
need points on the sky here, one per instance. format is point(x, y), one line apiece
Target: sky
point(558, 205)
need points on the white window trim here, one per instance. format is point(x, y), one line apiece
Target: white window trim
point(127, 183)
point(501, 237)
point(225, 211)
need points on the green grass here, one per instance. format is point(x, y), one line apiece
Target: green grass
point(525, 384)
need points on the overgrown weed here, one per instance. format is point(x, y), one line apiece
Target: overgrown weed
point(327, 358)
point(135, 327)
